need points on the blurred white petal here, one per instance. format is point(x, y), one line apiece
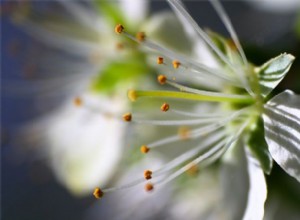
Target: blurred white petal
point(135, 11)
point(82, 144)
point(244, 185)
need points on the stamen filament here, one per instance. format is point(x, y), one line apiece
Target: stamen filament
point(210, 97)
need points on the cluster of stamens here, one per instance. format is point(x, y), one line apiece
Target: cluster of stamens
point(212, 146)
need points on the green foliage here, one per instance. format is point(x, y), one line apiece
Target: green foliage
point(111, 11)
point(116, 73)
point(259, 146)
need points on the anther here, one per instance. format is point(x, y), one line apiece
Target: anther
point(140, 36)
point(98, 193)
point(193, 170)
point(165, 107)
point(176, 64)
point(160, 60)
point(144, 149)
point(148, 174)
point(149, 187)
point(184, 133)
point(127, 117)
point(162, 79)
point(119, 29)
point(77, 101)
point(132, 95)
point(119, 46)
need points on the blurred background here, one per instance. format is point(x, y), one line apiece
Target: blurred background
point(29, 187)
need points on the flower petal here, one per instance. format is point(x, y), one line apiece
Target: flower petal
point(244, 185)
point(272, 72)
point(282, 131)
point(135, 11)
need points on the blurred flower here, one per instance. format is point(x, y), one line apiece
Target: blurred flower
point(222, 111)
point(83, 143)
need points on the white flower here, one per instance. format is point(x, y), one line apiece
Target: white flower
point(83, 144)
point(221, 112)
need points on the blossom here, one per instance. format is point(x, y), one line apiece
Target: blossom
point(222, 112)
point(83, 143)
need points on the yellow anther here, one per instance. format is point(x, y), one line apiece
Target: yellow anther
point(98, 193)
point(184, 133)
point(148, 174)
point(119, 29)
point(162, 79)
point(140, 36)
point(176, 64)
point(160, 60)
point(119, 46)
point(127, 117)
point(165, 107)
point(132, 95)
point(193, 170)
point(149, 187)
point(144, 149)
point(77, 101)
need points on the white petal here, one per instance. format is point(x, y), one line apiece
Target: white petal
point(282, 131)
point(83, 147)
point(166, 29)
point(258, 190)
point(135, 11)
point(244, 185)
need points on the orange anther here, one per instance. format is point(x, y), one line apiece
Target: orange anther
point(119, 29)
point(162, 79)
point(98, 193)
point(144, 149)
point(140, 36)
point(176, 64)
point(148, 174)
point(77, 101)
point(165, 107)
point(127, 117)
point(149, 187)
point(160, 60)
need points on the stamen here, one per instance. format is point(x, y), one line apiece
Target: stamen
point(98, 193)
point(147, 174)
point(140, 36)
point(197, 67)
point(224, 17)
point(208, 141)
point(193, 170)
point(132, 95)
point(119, 46)
point(127, 117)
point(149, 187)
point(205, 96)
point(203, 92)
point(176, 64)
point(199, 159)
point(119, 29)
point(165, 107)
point(162, 79)
point(144, 149)
point(78, 101)
point(184, 133)
point(160, 60)
point(202, 130)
